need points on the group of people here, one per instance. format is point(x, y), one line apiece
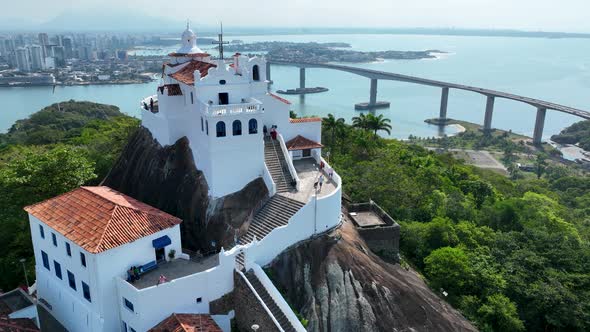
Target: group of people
point(273, 131)
point(150, 107)
point(134, 273)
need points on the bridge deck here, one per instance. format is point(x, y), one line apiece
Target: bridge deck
point(381, 75)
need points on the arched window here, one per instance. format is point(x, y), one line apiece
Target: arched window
point(253, 126)
point(207, 127)
point(202, 125)
point(255, 73)
point(220, 126)
point(237, 128)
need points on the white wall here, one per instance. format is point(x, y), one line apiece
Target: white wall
point(69, 306)
point(113, 264)
point(155, 303)
point(277, 297)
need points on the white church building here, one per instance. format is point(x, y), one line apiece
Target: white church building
point(89, 243)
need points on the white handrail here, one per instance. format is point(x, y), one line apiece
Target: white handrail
point(261, 301)
point(289, 161)
point(278, 298)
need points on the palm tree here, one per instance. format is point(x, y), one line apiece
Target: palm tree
point(333, 125)
point(360, 121)
point(378, 123)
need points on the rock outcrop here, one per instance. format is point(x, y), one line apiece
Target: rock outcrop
point(336, 283)
point(333, 280)
point(167, 178)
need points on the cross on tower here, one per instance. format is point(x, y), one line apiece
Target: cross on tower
point(220, 42)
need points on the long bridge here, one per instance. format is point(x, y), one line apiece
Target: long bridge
point(375, 75)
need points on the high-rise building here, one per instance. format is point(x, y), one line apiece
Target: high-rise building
point(68, 44)
point(44, 41)
point(37, 58)
point(59, 54)
point(23, 60)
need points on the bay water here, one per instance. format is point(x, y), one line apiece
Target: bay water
point(556, 70)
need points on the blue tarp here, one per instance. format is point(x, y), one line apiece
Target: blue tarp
point(161, 242)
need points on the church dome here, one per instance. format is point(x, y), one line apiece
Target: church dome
point(189, 42)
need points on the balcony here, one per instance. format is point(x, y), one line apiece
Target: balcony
point(248, 106)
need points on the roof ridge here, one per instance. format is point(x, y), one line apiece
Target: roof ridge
point(104, 230)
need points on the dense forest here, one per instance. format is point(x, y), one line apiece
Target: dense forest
point(511, 254)
point(56, 150)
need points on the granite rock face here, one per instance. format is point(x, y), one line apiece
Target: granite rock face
point(167, 178)
point(339, 285)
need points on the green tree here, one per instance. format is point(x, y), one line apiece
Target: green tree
point(360, 122)
point(333, 125)
point(540, 164)
point(498, 313)
point(378, 123)
point(35, 176)
point(448, 269)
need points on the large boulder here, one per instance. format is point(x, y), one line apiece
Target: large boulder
point(167, 178)
point(336, 283)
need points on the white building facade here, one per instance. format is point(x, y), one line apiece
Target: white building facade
point(233, 124)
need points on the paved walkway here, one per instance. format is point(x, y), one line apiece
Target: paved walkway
point(481, 158)
point(175, 269)
point(308, 173)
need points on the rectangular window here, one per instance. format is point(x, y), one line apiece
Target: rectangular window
point(192, 98)
point(124, 326)
point(83, 259)
point(41, 231)
point(202, 125)
point(68, 249)
point(57, 269)
point(45, 260)
point(72, 280)
point(86, 291)
point(54, 239)
point(128, 304)
point(131, 329)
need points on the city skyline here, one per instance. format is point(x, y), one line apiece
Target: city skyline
point(527, 15)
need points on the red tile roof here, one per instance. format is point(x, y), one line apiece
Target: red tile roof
point(186, 75)
point(187, 323)
point(173, 89)
point(302, 143)
point(100, 218)
point(191, 55)
point(280, 98)
point(302, 120)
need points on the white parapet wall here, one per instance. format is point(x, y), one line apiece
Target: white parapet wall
point(190, 294)
point(270, 184)
point(277, 297)
point(289, 160)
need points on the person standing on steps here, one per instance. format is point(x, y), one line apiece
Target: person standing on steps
point(321, 181)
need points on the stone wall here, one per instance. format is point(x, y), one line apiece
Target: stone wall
point(223, 305)
point(249, 310)
point(382, 239)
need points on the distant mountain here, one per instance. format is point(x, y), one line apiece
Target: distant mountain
point(97, 20)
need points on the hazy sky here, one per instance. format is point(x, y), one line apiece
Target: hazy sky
point(554, 15)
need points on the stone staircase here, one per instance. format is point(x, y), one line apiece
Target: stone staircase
point(275, 213)
point(270, 303)
point(277, 165)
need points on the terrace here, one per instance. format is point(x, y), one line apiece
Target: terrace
point(176, 269)
point(308, 172)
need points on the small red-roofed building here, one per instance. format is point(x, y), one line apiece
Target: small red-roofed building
point(87, 239)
